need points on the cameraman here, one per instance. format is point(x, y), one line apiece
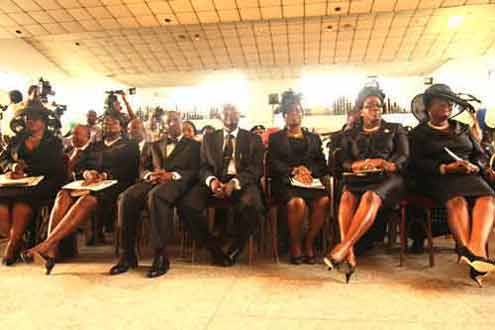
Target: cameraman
point(114, 104)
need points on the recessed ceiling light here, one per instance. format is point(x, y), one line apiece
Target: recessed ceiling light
point(329, 27)
point(337, 9)
point(455, 21)
point(182, 37)
point(196, 37)
point(167, 20)
point(347, 26)
point(18, 31)
point(77, 44)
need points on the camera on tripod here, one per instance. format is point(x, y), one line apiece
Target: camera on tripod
point(45, 90)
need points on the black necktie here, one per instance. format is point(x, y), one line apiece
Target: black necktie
point(228, 153)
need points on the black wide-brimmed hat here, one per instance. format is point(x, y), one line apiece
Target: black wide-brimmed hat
point(35, 109)
point(421, 102)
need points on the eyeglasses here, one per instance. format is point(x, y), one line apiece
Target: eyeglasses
point(373, 106)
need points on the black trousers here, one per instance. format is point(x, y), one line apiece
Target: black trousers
point(160, 200)
point(246, 203)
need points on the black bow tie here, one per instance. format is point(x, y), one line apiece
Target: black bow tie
point(172, 141)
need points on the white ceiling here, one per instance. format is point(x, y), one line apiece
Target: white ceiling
point(163, 43)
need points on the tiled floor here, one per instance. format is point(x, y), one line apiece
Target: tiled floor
point(79, 295)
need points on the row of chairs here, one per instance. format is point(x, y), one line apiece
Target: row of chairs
point(269, 228)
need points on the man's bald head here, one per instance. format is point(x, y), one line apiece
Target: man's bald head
point(80, 136)
point(136, 130)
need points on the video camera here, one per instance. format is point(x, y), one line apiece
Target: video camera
point(45, 89)
point(112, 96)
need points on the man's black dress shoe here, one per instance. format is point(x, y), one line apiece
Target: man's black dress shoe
point(296, 260)
point(159, 267)
point(124, 264)
point(233, 255)
point(220, 258)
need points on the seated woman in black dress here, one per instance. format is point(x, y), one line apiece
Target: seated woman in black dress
point(35, 151)
point(371, 144)
point(296, 154)
point(114, 158)
point(457, 184)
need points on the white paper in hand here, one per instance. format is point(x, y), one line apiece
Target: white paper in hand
point(29, 181)
point(316, 184)
point(79, 185)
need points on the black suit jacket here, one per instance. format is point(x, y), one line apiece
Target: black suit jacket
point(279, 155)
point(184, 160)
point(249, 154)
point(390, 142)
point(120, 161)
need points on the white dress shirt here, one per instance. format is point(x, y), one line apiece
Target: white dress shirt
point(231, 170)
point(169, 148)
point(141, 145)
point(111, 143)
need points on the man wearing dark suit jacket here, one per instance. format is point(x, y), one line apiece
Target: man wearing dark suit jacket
point(231, 168)
point(169, 168)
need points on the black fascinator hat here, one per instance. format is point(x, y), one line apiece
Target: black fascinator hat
point(365, 93)
point(460, 102)
point(289, 98)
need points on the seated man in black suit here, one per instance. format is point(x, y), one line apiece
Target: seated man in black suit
point(169, 168)
point(231, 168)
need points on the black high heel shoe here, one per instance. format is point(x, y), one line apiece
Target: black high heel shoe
point(11, 256)
point(480, 264)
point(348, 270)
point(477, 276)
point(332, 263)
point(48, 262)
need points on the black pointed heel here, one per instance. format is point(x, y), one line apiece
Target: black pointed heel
point(347, 269)
point(48, 262)
point(349, 273)
point(477, 276)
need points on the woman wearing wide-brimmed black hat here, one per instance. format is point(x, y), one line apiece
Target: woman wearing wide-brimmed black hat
point(374, 153)
point(449, 164)
point(114, 158)
point(34, 151)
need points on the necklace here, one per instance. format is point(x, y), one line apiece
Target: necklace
point(295, 135)
point(441, 127)
point(369, 130)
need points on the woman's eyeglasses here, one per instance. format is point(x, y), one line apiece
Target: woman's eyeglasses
point(373, 106)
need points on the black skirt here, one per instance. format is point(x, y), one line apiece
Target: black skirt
point(33, 196)
point(284, 192)
point(445, 187)
point(390, 187)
